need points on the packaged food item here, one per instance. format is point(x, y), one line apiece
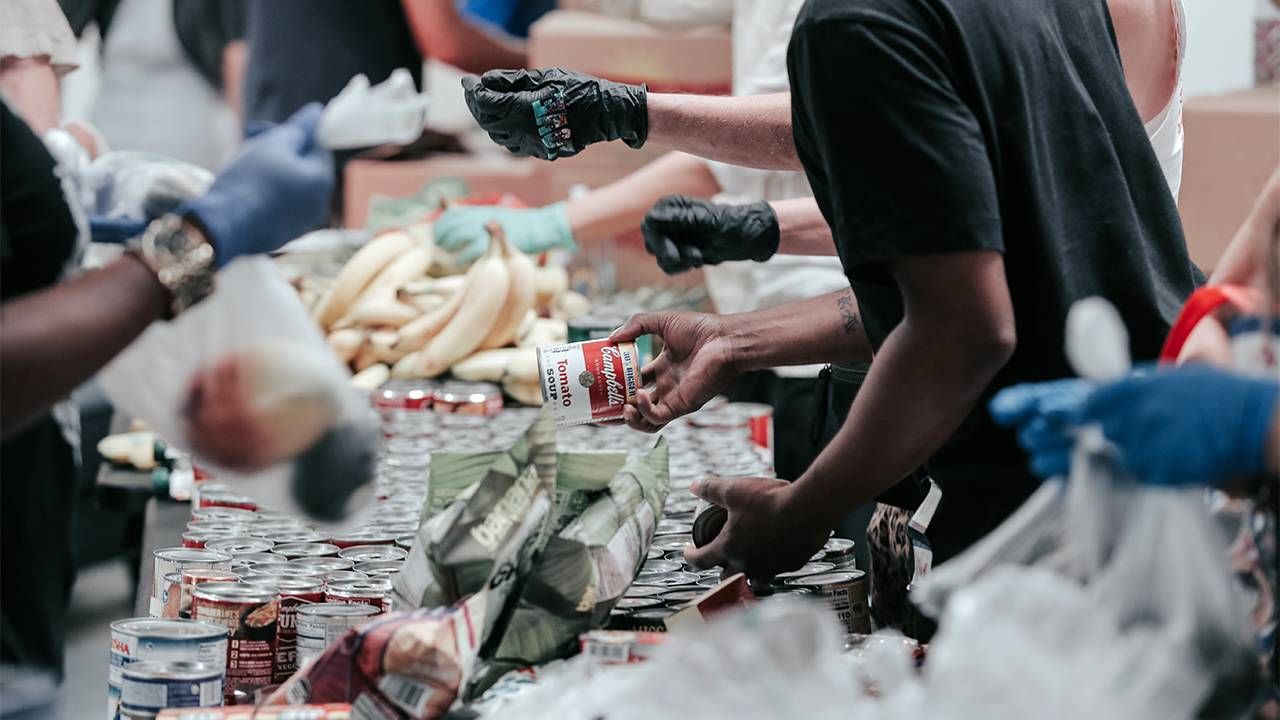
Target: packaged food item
point(845, 593)
point(405, 394)
point(153, 685)
point(614, 647)
point(326, 563)
point(459, 398)
point(380, 568)
point(167, 561)
point(176, 599)
point(142, 639)
point(356, 538)
point(328, 711)
point(298, 551)
point(590, 381)
point(366, 553)
point(292, 593)
point(242, 545)
point(321, 624)
point(250, 615)
point(374, 592)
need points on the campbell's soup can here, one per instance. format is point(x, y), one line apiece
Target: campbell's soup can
point(845, 593)
point(200, 538)
point(220, 514)
point(242, 545)
point(321, 625)
point(325, 564)
point(250, 614)
point(285, 569)
point(464, 398)
point(338, 576)
point(150, 686)
point(371, 553)
point(356, 538)
point(297, 551)
point(380, 568)
point(589, 381)
point(231, 500)
point(167, 561)
point(405, 395)
point(142, 639)
point(374, 592)
point(294, 592)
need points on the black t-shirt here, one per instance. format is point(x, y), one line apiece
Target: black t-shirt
point(303, 51)
point(936, 126)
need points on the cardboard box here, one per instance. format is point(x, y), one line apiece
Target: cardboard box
point(486, 174)
point(1232, 147)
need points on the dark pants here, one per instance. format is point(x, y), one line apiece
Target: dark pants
point(36, 502)
point(792, 400)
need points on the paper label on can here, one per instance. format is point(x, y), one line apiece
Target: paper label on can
point(161, 694)
point(589, 381)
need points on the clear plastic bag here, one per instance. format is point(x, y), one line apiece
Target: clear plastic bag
point(252, 309)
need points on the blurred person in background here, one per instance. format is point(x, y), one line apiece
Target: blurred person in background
point(760, 32)
point(55, 335)
point(170, 75)
point(37, 48)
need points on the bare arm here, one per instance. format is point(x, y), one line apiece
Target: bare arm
point(621, 205)
point(30, 86)
point(1244, 262)
point(802, 229)
point(55, 339)
point(235, 59)
point(1147, 36)
point(831, 331)
point(908, 407)
point(442, 33)
point(753, 131)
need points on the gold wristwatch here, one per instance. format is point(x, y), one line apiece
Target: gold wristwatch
point(181, 258)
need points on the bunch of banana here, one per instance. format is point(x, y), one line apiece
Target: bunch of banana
point(386, 316)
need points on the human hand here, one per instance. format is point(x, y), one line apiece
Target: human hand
point(461, 229)
point(555, 113)
point(684, 233)
point(1191, 426)
point(695, 365)
point(278, 187)
point(763, 535)
point(1046, 416)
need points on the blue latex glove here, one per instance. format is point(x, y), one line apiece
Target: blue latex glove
point(115, 230)
point(460, 229)
point(1193, 426)
point(1046, 416)
point(278, 187)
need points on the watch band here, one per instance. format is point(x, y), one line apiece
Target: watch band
point(182, 261)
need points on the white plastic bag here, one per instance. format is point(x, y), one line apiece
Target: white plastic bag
point(391, 112)
point(252, 307)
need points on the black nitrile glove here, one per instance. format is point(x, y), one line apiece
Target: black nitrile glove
point(554, 113)
point(684, 232)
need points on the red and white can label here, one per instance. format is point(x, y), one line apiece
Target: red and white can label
point(588, 381)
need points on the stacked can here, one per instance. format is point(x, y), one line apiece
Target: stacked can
point(249, 616)
point(166, 641)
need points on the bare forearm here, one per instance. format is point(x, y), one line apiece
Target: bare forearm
point(827, 328)
point(55, 339)
point(752, 131)
point(442, 33)
point(903, 413)
point(802, 228)
point(620, 206)
point(1244, 262)
point(31, 88)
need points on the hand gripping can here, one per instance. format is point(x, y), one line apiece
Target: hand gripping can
point(590, 381)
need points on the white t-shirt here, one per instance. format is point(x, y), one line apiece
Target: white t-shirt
point(1165, 130)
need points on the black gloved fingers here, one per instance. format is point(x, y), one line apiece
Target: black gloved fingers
point(507, 81)
point(692, 256)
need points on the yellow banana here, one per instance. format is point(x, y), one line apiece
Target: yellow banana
point(346, 343)
point(359, 271)
point(486, 365)
point(483, 297)
point(519, 298)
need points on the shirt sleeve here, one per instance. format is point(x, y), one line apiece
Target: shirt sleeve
point(37, 28)
point(901, 160)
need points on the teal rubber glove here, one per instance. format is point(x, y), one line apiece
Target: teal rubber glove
point(460, 229)
point(1193, 426)
point(278, 187)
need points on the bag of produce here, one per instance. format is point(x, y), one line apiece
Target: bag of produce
point(413, 665)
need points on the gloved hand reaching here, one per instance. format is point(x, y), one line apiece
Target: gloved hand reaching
point(460, 229)
point(278, 187)
point(554, 113)
point(1196, 425)
point(684, 233)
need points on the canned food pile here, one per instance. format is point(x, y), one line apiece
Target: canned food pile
point(252, 594)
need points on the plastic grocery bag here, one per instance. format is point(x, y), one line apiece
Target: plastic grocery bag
point(254, 310)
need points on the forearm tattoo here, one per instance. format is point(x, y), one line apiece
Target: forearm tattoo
point(848, 307)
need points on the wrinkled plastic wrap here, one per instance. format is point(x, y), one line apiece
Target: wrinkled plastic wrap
point(254, 310)
point(607, 506)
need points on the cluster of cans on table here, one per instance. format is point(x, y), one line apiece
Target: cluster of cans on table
point(725, 440)
point(252, 594)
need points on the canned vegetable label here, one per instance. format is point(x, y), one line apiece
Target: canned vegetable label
point(590, 381)
point(320, 625)
point(845, 593)
point(250, 614)
point(140, 639)
point(152, 686)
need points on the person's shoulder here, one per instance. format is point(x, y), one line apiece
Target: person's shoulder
point(850, 12)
